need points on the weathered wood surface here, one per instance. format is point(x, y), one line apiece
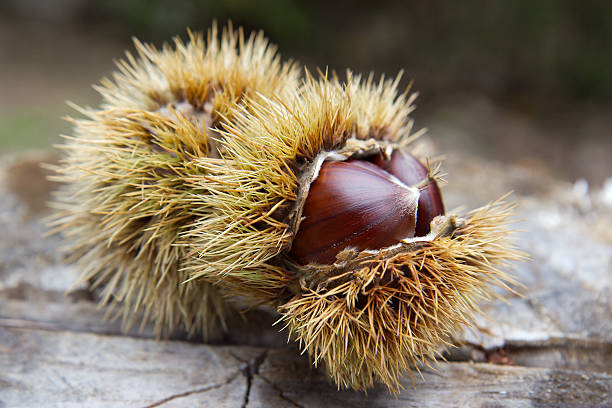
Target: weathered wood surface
point(58, 350)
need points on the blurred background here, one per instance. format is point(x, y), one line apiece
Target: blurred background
point(522, 82)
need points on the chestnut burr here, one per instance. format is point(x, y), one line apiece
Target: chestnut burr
point(213, 177)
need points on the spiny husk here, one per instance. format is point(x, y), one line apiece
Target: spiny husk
point(127, 197)
point(380, 112)
point(392, 310)
point(258, 186)
point(379, 313)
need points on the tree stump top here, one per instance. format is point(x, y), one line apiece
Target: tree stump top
point(552, 346)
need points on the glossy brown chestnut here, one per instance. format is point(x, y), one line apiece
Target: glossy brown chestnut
point(353, 204)
point(412, 172)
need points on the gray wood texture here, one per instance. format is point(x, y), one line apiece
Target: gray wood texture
point(550, 347)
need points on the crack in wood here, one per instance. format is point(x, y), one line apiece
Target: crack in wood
point(280, 391)
point(192, 392)
point(251, 369)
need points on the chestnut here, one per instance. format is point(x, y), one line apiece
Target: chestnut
point(365, 205)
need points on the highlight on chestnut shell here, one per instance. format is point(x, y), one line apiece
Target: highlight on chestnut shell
point(411, 171)
point(366, 205)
